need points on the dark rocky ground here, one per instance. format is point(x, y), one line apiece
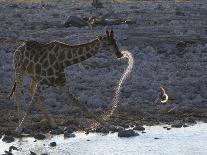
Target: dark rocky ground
point(169, 44)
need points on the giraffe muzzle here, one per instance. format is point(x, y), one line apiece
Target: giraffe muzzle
point(119, 54)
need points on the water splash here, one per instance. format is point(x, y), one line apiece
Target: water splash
point(116, 95)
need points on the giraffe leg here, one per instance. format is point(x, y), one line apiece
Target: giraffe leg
point(76, 102)
point(18, 90)
point(32, 87)
point(45, 113)
point(19, 128)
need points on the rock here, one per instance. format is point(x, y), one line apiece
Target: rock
point(68, 135)
point(39, 136)
point(143, 132)
point(139, 128)
point(190, 120)
point(57, 131)
point(180, 44)
point(127, 133)
point(156, 138)
point(124, 125)
point(177, 125)
point(53, 144)
point(103, 130)
point(113, 128)
point(168, 128)
point(8, 153)
point(185, 125)
point(13, 148)
point(8, 139)
point(32, 153)
point(69, 129)
point(75, 21)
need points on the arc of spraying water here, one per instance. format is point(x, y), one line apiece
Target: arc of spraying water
point(116, 95)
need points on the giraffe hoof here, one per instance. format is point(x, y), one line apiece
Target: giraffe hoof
point(18, 130)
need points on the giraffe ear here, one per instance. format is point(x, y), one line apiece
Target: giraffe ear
point(112, 33)
point(107, 33)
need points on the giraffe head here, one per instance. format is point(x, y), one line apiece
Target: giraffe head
point(109, 42)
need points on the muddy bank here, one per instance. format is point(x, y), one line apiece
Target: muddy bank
point(168, 43)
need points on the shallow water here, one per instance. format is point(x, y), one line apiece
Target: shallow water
point(180, 141)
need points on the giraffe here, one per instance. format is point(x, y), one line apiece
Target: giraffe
point(45, 64)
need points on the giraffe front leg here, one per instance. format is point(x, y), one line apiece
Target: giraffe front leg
point(18, 130)
point(76, 102)
point(45, 113)
point(18, 90)
point(32, 88)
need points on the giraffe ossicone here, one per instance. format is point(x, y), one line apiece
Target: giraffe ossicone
point(45, 64)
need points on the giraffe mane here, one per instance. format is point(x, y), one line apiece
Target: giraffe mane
point(76, 45)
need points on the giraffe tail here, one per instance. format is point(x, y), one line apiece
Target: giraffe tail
point(12, 90)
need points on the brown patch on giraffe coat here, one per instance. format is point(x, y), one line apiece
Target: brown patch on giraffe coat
point(37, 68)
point(50, 46)
point(36, 57)
point(52, 58)
point(44, 73)
point(61, 55)
point(31, 55)
point(50, 71)
point(51, 80)
point(74, 52)
point(69, 55)
point(45, 64)
point(75, 60)
point(87, 48)
point(82, 58)
point(67, 63)
point(25, 61)
point(80, 51)
point(88, 55)
point(27, 54)
point(43, 56)
point(55, 49)
point(30, 67)
point(56, 66)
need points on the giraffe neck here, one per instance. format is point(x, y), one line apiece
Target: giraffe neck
point(69, 55)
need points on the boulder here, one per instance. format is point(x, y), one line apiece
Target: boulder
point(75, 21)
point(68, 135)
point(53, 144)
point(139, 128)
point(39, 136)
point(103, 130)
point(8, 139)
point(177, 125)
point(127, 133)
point(57, 131)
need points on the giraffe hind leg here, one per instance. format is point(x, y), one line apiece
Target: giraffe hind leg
point(19, 128)
point(45, 113)
point(18, 90)
point(76, 102)
point(41, 100)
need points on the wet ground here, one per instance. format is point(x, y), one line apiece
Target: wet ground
point(156, 141)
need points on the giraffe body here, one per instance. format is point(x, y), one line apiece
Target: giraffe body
point(45, 64)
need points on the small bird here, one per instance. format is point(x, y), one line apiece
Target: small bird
point(163, 95)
